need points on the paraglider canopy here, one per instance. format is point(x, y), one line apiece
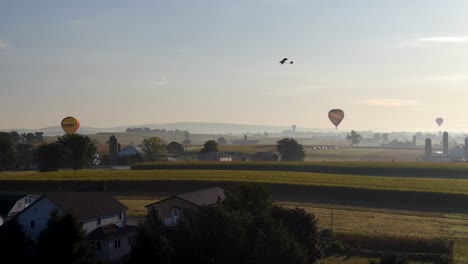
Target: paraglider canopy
point(336, 116)
point(439, 121)
point(70, 124)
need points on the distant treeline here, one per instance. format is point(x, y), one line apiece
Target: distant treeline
point(391, 169)
point(147, 129)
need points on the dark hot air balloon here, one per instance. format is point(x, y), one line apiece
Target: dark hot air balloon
point(439, 121)
point(336, 116)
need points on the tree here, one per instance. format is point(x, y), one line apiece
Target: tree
point(222, 141)
point(62, 241)
point(78, 150)
point(49, 157)
point(175, 148)
point(274, 244)
point(385, 138)
point(377, 137)
point(209, 146)
point(290, 150)
point(150, 244)
point(7, 152)
point(212, 235)
point(154, 149)
point(251, 198)
point(14, 243)
point(24, 153)
point(354, 138)
point(304, 226)
point(240, 229)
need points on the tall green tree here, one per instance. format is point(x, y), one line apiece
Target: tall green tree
point(154, 149)
point(209, 146)
point(212, 235)
point(354, 138)
point(7, 152)
point(239, 229)
point(275, 245)
point(290, 150)
point(78, 150)
point(62, 242)
point(303, 226)
point(49, 157)
point(14, 243)
point(24, 154)
point(150, 244)
point(175, 148)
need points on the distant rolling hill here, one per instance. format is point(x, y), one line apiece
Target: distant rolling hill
point(192, 127)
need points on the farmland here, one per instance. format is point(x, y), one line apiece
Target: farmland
point(399, 200)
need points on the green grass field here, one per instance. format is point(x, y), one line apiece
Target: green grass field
point(394, 169)
point(454, 186)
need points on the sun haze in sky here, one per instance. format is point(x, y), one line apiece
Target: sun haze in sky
point(390, 65)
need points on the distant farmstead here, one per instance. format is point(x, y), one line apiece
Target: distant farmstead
point(215, 156)
point(131, 150)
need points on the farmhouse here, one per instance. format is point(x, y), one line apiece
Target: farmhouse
point(102, 217)
point(171, 209)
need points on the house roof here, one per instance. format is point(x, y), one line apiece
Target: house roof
point(131, 150)
point(16, 208)
point(110, 231)
point(7, 202)
point(204, 197)
point(87, 204)
point(201, 197)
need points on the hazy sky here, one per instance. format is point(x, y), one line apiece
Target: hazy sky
point(389, 64)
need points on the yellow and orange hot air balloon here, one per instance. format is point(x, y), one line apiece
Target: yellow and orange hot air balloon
point(336, 116)
point(70, 124)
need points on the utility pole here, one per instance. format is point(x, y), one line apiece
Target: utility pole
point(331, 217)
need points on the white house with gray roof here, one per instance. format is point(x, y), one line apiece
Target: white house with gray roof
point(103, 219)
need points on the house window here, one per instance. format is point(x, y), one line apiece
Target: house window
point(99, 221)
point(120, 216)
point(175, 212)
point(117, 243)
point(32, 224)
point(98, 245)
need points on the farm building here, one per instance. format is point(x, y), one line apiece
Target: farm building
point(170, 210)
point(265, 156)
point(131, 150)
point(215, 156)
